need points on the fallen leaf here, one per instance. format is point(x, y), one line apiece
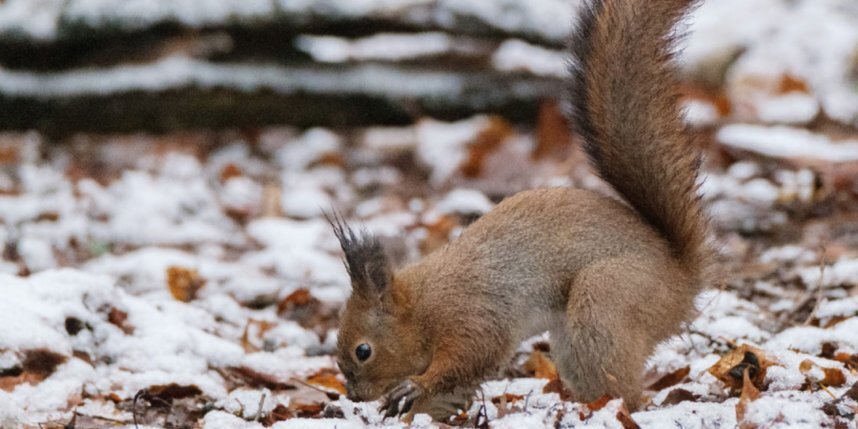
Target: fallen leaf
point(278, 414)
point(332, 159)
point(506, 404)
point(229, 171)
point(717, 98)
point(540, 366)
point(255, 378)
point(831, 377)
point(671, 379)
point(731, 367)
point(184, 283)
point(118, 318)
point(679, 395)
point(307, 410)
point(599, 403)
point(749, 394)
point(327, 379)
point(850, 360)
point(557, 386)
point(553, 134)
point(487, 141)
point(169, 392)
point(438, 233)
point(261, 328)
point(791, 83)
point(507, 398)
point(626, 419)
point(36, 366)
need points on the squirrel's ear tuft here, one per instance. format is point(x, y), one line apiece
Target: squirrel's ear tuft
point(364, 258)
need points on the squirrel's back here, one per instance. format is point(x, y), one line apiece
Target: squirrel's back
point(623, 99)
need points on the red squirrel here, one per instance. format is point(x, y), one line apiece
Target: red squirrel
point(608, 279)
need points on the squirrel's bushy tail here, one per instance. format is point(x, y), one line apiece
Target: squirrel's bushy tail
point(624, 105)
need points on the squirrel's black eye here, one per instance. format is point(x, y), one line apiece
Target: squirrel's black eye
point(363, 352)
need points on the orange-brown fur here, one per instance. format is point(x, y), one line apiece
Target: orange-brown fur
point(608, 280)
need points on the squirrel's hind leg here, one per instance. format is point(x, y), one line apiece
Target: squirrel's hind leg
point(610, 329)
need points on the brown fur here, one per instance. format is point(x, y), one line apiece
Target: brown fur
point(608, 280)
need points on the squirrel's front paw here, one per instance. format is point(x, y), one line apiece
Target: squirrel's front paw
point(401, 399)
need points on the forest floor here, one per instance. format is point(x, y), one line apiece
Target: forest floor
point(191, 280)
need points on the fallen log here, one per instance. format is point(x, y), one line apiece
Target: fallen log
point(181, 93)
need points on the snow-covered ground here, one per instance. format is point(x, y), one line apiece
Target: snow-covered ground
point(190, 280)
point(198, 270)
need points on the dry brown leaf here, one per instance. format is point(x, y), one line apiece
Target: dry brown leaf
point(438, 233)
point(507, 398)
point(307, 410)
point(308, 311)
point(791, 83)
point(278, 414)
point(169, 392)
point(326, 379)
point(332, 159)
point(731, 367)
point(717, 98)
point(832, 377)
point(625, 418)
point(298, 298)
point(553, 135)
point(679, 395)
point(229, 171)
point(540, 366)
point(119, 318)
point(557, 386)
point(262, 328)
point(255, 378)
point(184, 283)
point(599, 403)
point(671, 379)
point(506, 404)
point(36, 366)
point(850, 360)
point(487, 141)
point(749, 394)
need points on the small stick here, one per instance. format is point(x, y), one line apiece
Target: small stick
point(819, 285)
point(259, 410)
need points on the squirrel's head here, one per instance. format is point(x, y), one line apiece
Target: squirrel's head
point(380, 342)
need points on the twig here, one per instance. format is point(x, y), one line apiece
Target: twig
point(259, 410)
point(305, 384)
point(139, 394)
point(828, 391)
point(527, 400)
point(819, 286)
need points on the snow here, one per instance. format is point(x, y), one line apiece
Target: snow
point(33, 18)
point(464, 201)
point(441, 146)
point(787, 142)
point(178, 72)
point(551, 19)
point(516, 55)
point(382, 47)
point(149, 217)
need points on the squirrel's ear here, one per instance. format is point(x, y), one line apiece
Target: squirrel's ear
point(364, 258)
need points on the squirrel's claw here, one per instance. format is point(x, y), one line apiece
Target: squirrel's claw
point(401, 399)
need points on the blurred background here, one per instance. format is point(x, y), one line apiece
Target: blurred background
point(174, 157)
point(164, 65)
